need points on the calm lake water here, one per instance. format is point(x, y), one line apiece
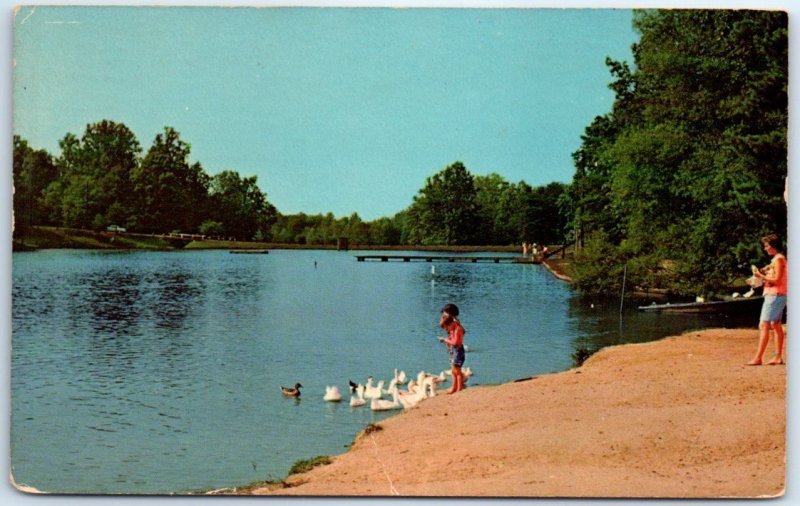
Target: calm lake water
point(158, 372)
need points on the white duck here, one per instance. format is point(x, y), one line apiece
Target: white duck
point(392, 385)
point(409, 400)
point(384, 405)
point(467, 372)
point(358, 399)
point(332, 394)
point(373, 392)
point(400, 377)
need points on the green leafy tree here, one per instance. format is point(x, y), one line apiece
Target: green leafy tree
point(689, 165)
point(94, 187)
point(172, 193)
point(33, 172)
point(541, 218)
point(445, 211)
point(590, 191)
point(240, 206)
point(384, 231)
point(496, 200)
point(212, 228)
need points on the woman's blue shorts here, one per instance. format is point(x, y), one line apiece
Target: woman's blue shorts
point(772, 309)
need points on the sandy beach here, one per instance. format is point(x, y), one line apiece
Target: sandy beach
point(681, 418)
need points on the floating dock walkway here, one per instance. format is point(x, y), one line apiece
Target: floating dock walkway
point(438, 258)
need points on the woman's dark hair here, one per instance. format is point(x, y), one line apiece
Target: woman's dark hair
point(773, 240)
point(450, 309)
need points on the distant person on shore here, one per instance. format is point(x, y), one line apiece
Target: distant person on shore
point(775, 288)
point(455, 344)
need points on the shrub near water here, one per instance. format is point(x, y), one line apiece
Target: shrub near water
point(304, 466)
point(581, 354)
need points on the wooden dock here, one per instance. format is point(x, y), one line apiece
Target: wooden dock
point(249, 251)
point(451, 259)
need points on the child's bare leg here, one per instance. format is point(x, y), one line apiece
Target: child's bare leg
point(456, 370)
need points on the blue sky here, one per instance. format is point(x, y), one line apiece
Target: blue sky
point(341, 110)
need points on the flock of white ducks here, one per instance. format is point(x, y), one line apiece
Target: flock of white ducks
point(423, 387)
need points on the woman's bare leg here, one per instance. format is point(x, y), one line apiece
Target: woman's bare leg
point(763, 340)
point(780, 342)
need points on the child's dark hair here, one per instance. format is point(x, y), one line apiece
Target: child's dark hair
point(450, 309)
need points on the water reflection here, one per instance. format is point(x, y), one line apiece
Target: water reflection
point(449, 281)
point(597, 323)
point(176, 293)
point(114, 300)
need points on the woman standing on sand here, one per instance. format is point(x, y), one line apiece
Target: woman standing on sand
point(775, 289)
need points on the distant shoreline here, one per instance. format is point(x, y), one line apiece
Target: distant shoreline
point(65, 238)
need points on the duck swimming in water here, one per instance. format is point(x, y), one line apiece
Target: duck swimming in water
point(332, 394)
point(401, 378)
point(357, 398)
point(384, 405)
point(373, 392)
point(292, 392)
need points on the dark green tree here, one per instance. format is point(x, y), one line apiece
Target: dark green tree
point(172, 193)
point(687, 170)
point(94, 188)
point(445, 211)
point(497, 204)
point(240, 206)
point(540, 218)
point(384, 231)
point(33, 172)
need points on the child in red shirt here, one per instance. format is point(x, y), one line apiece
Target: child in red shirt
point(455, 344)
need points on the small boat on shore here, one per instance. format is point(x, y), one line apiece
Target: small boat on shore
point(738, 306)
point(249, 251)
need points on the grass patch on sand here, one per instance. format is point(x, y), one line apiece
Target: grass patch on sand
point(247, 489)
point(372, 428)
point(299, 467)
point(306, 465)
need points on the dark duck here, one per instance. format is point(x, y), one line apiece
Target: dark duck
point(292, 392)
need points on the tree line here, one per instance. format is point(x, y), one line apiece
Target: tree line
point(102, 179)
point(674, 185)
point(454, 207)
point(683, 176)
